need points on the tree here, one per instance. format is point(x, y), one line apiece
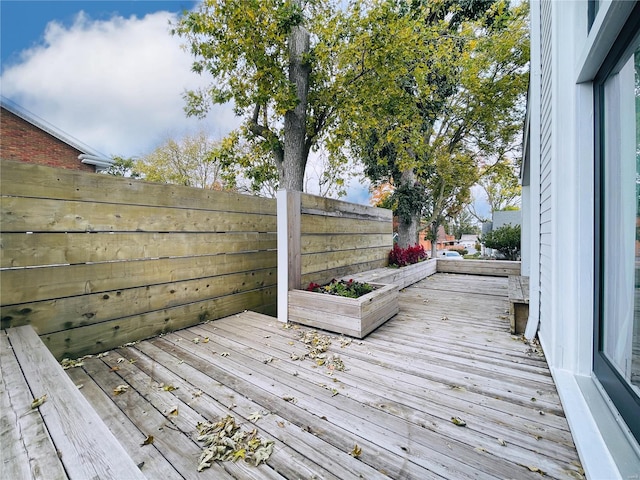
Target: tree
point(122, 167)
point(501, 187)
point(443, 88)
point(274, 60)
point(194, 161)
point(505, 239)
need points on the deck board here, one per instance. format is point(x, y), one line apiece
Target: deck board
point(447, 353)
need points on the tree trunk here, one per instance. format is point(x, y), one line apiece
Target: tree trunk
point(295, 121)
point(433, 228)
point(408, 228)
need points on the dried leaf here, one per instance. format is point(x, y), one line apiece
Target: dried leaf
point(536, 470)
point(80, 385)
point(169, 388)
point(480, 449)
point(120, 389)
point(38, 401)
point(289, 398)
point(224, 354)
point(147, 441)
point(197, 393)
point(502, 442)
point(238, 454)
point(356, 451)
point(173, 411)
point(205, 340)
point(255, 416)
point(458, 421)
point(196, 340)
point(120, 360)
point(280, 424)
point(533, 399)
point(114, 369)
point(268, 360)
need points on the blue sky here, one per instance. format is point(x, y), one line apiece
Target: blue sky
point(23, 22)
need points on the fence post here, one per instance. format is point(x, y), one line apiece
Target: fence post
point(289, 267)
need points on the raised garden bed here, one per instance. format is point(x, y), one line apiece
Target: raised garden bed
point(402, 276)
point(356, 317)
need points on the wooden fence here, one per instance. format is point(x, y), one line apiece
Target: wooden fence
point(320, 239)
point(94, 261)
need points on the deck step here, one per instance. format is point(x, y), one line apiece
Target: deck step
point(64, 437)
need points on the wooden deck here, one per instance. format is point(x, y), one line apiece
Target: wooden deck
point(448, 353)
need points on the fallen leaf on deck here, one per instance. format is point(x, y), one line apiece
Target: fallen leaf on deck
point(238, 454)
point(173, 411)
point(196, 340)
point(120, 389)
point(280, 424)
point(445, 318)
point(458, 421)
point(533, 399)
point(80, 385)
point(224, 354)
point(38, 401)
point(268, 360)
point(147, 441)
point(169, 388)
point(356, 452)
point(255, 416)
point(502, 442)
point(205, 340)
point(197, 393)
point(114, 369)
point(289, 398)
point(480, 449)
point(120, 360)
point(536, 470)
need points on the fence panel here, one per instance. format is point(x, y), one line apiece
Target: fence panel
point(94, 261)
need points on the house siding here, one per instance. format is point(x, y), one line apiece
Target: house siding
point(546, 177)
point(23, 142)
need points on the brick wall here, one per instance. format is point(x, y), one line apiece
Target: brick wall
point(23, 142)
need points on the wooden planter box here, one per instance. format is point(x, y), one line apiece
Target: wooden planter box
point(402, 277)
point(356, 317)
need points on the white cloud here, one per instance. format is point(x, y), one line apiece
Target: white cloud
point(114, 85)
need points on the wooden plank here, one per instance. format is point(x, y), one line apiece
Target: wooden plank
point(428, 449)
point(330, 243)
point(24, 214)
point(217, 401)
point(314, 205)
point(499, 268)
point(185, 421)
point(23, 250)
point(316, 224)
point(363, 382)
point(35, 284)
point(339, 272)
point(180, 450)
point(30, 180)
point(27, 449)
point(396, 464)
point(88, 448)
point(294, 260)
point(50, 316)
point(104, 336)
point(317, 262)
point(153, 463)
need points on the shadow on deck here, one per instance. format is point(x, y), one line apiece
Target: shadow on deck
point(448, 353)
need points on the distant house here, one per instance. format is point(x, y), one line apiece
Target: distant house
point(27, 138)
point(581, 210)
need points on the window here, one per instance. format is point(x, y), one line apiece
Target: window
point(617, 328)
point(592, 12)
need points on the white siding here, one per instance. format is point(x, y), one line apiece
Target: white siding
point(546, 177)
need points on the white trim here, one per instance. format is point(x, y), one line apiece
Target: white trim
point(283, 257)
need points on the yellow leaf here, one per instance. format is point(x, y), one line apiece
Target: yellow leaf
point(120, 389)
point(38, 401)
point(458, 421)
point(239, 454)
point(173, 411)
point(356, 452)
point(147, 441)
point(169, 388)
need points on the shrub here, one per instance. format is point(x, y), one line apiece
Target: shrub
point(505, 239)
point(342, 288)
point(400, 257)
point(460, 249)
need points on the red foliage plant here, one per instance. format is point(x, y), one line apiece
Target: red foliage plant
point(400, 257)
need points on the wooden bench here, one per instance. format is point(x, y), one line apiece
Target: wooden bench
point(518, 303)
point(64, 438)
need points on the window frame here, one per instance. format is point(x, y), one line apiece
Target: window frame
point(621, 393)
